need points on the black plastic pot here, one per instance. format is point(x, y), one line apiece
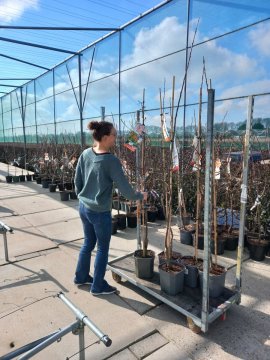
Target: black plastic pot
point(38, 180)
point(220, 247)
point(171, 278)
point(29, 177)
point(186, 237)
point(121, 221)
point(116, 205)
point(61, 187)
point(152, 215)
point(231, 242)
point(73, 195)
point(257, 248)
point(9, 179)
point(191, 271)
point(160, 213)
point(64, 195)
point(131, 220)
point(68, 186)
point(15, 178)
point(114, 226)
point(52, 187)
point(22, 178)
point(45, 183)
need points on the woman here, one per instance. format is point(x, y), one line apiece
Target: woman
point(96, 172)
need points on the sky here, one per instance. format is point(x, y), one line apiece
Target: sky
point(238, 64)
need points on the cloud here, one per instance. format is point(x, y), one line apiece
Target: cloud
point(260, 39)
point(11, 10)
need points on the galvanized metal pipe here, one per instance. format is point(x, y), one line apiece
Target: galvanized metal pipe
point(244, 193)
point(207, 207)
point(83, 317)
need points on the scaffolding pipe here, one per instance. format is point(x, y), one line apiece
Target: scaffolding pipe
point(244, 192)
point(207, 208)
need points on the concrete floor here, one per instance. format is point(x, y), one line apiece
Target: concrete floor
point(43, 252)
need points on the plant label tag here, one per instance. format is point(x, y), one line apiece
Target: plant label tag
point(186, 271)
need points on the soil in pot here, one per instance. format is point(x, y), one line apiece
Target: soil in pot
point(186, 237)
point(114, 226)
point(131, 220)
point(176, 257)
point(217, 274)
point(122, 221)
point(171, 278)
point(144, 266)
point(191, 271)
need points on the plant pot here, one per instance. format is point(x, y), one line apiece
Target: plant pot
point(22, 178)
point(64, 195)
point(122, 221)
point(38, 180)
point(144, 266)
point(176, 257)
point(217, 277)
point(171, 278)
point(68, 186)
point(9, 179)
point(52, 187)
point(160, 213)
point(257, 248)
point(191, 271)
point(61, 187)
point(114, 226)
point(29, 177)
point(186, 237)
point(131, 220)
point(231, 242)
point(45, 183)
point(186, 220)
point(200, 241)
point(15, 179)
point(220, 246)
point(73, 195)
point(151, 215)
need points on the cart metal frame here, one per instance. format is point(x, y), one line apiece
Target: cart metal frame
point(200, 309)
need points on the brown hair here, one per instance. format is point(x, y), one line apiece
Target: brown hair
point(100, 129)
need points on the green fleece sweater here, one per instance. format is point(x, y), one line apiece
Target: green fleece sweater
point(95, 175)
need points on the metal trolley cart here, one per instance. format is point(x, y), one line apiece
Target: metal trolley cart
point(196, 305)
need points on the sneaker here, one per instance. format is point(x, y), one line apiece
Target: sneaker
point(88, 282)
point(108, 289)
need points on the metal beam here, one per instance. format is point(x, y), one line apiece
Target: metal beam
point(15, 86)
point(4, 79)
point(24, 62)
point(2, 92)
point(57, 28)
point(37, 45)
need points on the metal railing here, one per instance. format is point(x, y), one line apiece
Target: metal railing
point(77, 328)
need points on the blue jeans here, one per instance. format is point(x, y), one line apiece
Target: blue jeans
point(97, 227)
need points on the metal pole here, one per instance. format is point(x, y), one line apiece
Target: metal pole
point(70, 328)
point(5, 246)
point(80, 101)
point(138, 181)
point(102, 112)
point(54, 108)
point(81, 341)
point(207, 208)
point(243, 198)
point(83, 317)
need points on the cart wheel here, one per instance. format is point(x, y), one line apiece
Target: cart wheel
point(192, 326)
point(117, 278)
